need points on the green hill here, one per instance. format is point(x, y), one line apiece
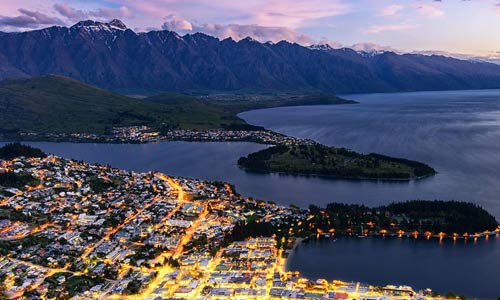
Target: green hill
point(233, 104)
point(55, 104)
point(187, 112)
point(322, 160)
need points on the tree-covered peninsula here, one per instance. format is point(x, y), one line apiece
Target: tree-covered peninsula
point(316, 159)
point(448, 217)
point(13, 150)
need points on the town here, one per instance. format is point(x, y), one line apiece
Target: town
point(88, 231)
point(145, 134)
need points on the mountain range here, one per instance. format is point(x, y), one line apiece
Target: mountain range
point(114, 57)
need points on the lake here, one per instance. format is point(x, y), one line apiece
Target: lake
point(469, 268)
point(218, 161)
point(457, 133)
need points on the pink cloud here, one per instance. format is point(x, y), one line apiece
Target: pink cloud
point(297, 14)
point(28, 19)
point(265, 13)
point(388, 27)
point(69, 12)
point(101, 13)
point(391, 10)
point(429, 10)
point(497, 8)
point(174, 23)
point(238, 31)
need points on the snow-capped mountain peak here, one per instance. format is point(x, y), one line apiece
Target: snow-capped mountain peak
point(323, 47)
point(118, 24)
point(90, 25)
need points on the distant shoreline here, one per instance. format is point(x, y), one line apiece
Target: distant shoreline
point(301, 240)
point(415, 178)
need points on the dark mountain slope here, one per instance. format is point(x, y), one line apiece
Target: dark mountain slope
point(111, 56)
point(56, 104)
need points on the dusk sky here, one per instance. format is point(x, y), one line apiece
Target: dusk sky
point(455, 26)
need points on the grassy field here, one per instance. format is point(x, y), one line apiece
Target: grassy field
point(55, 104)
point(329, 161)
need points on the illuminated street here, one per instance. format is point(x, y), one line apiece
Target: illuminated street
point(97, 232)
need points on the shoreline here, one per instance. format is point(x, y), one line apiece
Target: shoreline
point(325, 236)
point(403, 180)
point(228, 140)
point(290, 252)
point(494, 236)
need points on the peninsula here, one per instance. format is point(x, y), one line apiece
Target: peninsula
point(317, 159)
point(55, 108)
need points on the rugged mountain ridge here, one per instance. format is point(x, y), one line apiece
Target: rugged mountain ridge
point(111, 56)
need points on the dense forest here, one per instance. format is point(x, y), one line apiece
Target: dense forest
point(13, 150)
point(17, 180)
point(322, 160)
point(420, 217)
point(416, 215)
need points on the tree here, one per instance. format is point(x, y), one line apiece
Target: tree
point(133, 287)
point(14, 150)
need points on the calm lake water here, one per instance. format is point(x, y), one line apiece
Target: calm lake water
point(218, 161)
point(458, 133)
point(462, 267)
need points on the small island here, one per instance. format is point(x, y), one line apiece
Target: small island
point(317, 159)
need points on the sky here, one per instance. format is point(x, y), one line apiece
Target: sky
point(468, 28)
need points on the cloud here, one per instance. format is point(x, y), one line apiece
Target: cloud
point(491, 57)
point(237, 31)
point(260, 33)
point(429, 10)
point(29, 19)
point(391, 10)
point(69, 12)
point(367, 47)
point(106, 12)
point(265, 13)
point(173, 23)
point(388, 27)
point(101, 13)
point(333, 44)
point(296, 14)
point(497, 8)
